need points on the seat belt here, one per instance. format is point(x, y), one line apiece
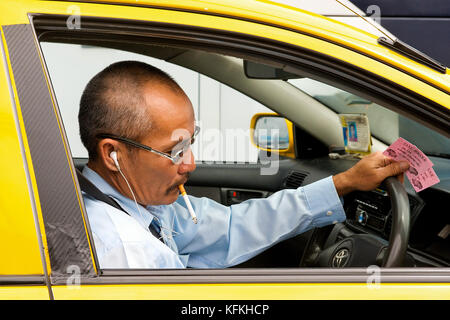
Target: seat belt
point(88, 187)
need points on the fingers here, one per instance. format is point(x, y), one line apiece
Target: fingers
point(387, 161)
point(368, 173)
point(379, 159)
point(392, 167)
point(396, 168)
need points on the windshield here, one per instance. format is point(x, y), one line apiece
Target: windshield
point(385, 125)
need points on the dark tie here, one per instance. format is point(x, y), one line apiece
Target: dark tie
point(153, 227)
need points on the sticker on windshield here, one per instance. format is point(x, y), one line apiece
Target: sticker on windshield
point(356, 132)
point(420, 173)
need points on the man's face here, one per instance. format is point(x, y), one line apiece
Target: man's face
point(154, 178)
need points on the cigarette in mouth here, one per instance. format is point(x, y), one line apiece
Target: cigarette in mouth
point(188, 203)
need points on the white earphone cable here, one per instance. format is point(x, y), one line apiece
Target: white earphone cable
point(132, 193)
point(171, 231)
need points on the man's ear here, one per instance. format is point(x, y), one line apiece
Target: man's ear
point(105, 147)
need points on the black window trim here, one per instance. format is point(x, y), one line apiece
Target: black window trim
point(48, 26)
point(94, 263)
point(255, 276)
point(24, 280)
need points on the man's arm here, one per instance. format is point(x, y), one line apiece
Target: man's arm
point(226, 236)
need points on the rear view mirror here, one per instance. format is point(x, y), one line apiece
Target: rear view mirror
point(255, 70)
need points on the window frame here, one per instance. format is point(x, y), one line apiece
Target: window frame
point(317, 66)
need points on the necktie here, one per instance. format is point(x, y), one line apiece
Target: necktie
point(154, 230)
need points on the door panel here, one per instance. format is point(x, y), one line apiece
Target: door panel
point(59, 202)
point(22, 264)
point(216, 180)
point(237, 291)
point(23, 293)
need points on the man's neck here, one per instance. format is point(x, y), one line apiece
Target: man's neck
point(112, 178)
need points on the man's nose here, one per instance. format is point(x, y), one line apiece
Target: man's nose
point(187, 164)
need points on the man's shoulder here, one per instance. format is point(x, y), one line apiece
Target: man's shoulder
point(107, 221)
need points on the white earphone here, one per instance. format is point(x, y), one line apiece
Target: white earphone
point(113, 155)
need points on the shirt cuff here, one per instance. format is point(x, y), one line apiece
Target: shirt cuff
point(324, 202)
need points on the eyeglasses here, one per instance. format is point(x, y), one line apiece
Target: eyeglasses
point(175, 155)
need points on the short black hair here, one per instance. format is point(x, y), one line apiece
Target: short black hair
point(113, 102)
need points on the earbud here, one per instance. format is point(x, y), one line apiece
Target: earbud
point(113, 156)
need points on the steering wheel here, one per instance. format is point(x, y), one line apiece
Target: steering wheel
point(363, 250)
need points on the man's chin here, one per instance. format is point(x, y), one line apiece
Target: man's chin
point(170, 197)
point(175, 194)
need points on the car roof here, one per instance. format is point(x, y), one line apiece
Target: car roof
point(343, 11)
point(295, 19)
point(262, 11)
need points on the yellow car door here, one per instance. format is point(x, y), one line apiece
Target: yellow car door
point(46, 223)
point(23, 263)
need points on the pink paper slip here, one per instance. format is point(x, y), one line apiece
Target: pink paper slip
point(423, 179)
point(420, 173)
point(403, 150)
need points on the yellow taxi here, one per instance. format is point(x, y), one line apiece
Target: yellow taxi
point(255, 60)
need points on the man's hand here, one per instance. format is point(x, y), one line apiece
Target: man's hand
point(368, 173)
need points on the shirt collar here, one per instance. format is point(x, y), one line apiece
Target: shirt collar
point(145, 217)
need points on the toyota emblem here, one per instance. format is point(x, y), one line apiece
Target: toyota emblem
point(341, 258)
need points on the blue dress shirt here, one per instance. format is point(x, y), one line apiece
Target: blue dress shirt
point(224, 236)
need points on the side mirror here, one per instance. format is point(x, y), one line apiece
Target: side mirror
point(271, 132)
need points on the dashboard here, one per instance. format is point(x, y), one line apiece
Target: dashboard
point(429, 243)
point(371, 211)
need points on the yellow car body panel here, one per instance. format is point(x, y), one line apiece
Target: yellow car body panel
point(23, 293)
point(267, 12)
point(275, 291)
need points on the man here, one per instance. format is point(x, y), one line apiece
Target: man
point(137, 125)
